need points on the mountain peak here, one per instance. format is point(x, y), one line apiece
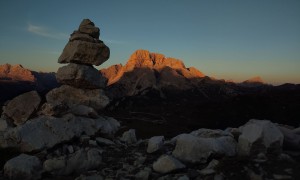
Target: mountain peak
point(15, 72)
point(256, 79)
point(145, 59)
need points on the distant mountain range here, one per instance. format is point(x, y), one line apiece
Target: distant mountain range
point(15, 80)
point(151, 85)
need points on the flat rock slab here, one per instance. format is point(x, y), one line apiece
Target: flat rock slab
point(81, 76)
point(83, 52)
point(72, 96)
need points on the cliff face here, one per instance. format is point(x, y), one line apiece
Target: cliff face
point(145, 70)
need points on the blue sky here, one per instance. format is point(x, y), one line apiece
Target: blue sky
point(230, 39)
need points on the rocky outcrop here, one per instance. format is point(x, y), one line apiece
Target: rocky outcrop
point(259, 136)
point(22, 107)
point(23, 167)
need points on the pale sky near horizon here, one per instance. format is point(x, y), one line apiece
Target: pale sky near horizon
point(232, 39)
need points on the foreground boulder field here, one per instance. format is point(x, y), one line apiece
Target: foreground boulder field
point(65, 135)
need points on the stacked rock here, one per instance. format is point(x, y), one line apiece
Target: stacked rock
point(81, 82)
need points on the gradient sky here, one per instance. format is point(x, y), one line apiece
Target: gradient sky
point(226, 39)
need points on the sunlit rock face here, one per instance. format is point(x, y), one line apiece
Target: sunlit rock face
point(145, 70)
point(15, 72)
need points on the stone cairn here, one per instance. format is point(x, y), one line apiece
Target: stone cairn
point(81, 82)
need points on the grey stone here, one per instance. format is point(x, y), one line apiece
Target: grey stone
point(194, 149)
point(83, 52)
point(291, 139)
point(80, 161)
point(3, 124)
point(50, 109)
point(129, 136)
point(259, 136)
point(76, 35)
point(72, 96)
point(45, 132)
point(85, 111)
point(155, 143)
point(103, 141)
point(166, 164)
point(22, 107)
point(142, 175)
point(23, 167)
point(91, 177)
point(80, 76)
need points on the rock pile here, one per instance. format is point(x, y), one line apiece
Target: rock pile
point(82, 83)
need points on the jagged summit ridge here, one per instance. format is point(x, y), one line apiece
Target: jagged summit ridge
point(155, 62)
point(16, 72)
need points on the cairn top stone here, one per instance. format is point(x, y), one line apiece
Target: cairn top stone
point(85, 47)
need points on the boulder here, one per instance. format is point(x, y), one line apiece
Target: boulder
point(291, 139)
point(23, 167)
point(80, 161)
point(72, 96)
point(45, 132)
point(88, 27)
point(80, 76)
point(22, 107)
point(194, 149)
point(129, 136)
point(259, 136)
point(83, 52)
point(210, 133)
point(155, 143)
point(166, 164)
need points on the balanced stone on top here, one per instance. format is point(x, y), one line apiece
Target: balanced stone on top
point(84, 46)
point(88, 27)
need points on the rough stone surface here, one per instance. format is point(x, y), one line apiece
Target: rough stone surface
point(71, 96)
point(80, 76)
point(259, 136)
point(23, 167)
point(85, 111)
point(129, 136)
point(103, 141)
point(83, 52)
point(45, 132)
point(155, 143)
point(291, 139)
point(166, 164)
point(80, 161)
point(88, 27)
point(22, 107)
point(194, 149)
point(57, 109)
